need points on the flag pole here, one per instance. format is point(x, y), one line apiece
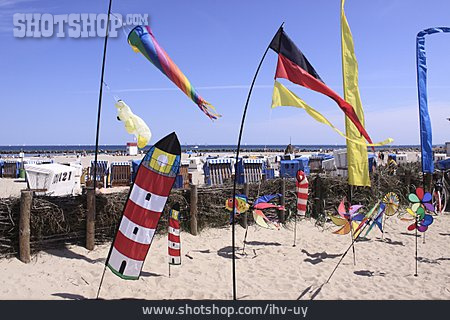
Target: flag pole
point(235, 171)
point(99, 110)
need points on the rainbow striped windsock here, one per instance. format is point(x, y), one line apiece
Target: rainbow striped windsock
point(142, 40)
point(302, 192)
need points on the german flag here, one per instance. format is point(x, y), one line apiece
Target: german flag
point(293, 66)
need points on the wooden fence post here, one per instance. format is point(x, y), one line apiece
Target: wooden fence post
point(245, 219)
point(26, 199)
point(408, 181)
point(427, 182)
point(90, 219)
point(193, 209)
point(283, 200)
point(318, 196)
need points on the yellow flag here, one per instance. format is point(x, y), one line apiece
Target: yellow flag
point(358, 164)
point(282, 96)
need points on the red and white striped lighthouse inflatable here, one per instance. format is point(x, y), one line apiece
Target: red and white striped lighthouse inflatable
point(154, 180)
point(174, 236)
point(302, 192)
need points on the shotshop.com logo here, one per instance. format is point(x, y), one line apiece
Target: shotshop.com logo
point(73, 25)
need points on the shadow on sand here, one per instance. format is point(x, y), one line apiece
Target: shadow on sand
point(260, 243)
point(389, 241)
point(69, 254)
point(227, 252)
point(368, 273)
point(315, 258)
point(69, 296)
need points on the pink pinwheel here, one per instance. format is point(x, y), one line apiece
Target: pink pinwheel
point(347, 220)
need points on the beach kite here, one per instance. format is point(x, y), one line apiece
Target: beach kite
point(154, 180)
point(133, 124)
point(426, 142)
point(174, 240)
point(420, 205)
point(141, 39)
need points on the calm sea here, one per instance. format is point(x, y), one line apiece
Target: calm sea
point(58, 149)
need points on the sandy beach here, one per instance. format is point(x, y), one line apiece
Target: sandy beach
point(271, 267)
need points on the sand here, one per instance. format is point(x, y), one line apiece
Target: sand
point(270, 269)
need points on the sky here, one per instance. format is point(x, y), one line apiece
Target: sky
point(50, 86)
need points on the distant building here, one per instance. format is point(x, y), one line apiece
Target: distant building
point(132, 148)
point(447, 148)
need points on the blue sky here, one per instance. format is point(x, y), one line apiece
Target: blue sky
point(50, 86)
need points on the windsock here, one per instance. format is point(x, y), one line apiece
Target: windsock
point(154, 180)
point(174, 236)
point(302, 192)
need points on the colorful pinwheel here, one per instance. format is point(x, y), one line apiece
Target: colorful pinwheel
point(391, 201)
point(268, 221)
point(386, 209)
point(420, 204)
point(348, 221)
point(378, 219)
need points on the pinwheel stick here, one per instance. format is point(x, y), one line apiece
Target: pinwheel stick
point(348, 249)
point(416, 274)
point(295, 228)
point(353, 244)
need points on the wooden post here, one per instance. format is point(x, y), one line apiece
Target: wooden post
point(317, 196)
point(408, 181)
point(90, 219)
point(245, 220)
point(193, 209)
point(24, 226)
point(427, 180)
point(283, 200)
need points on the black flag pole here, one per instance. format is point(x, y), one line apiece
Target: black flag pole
point(233, 240)
point(100, 96)
point(98, 120)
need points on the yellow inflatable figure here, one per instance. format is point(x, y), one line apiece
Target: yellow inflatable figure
point(133, 124)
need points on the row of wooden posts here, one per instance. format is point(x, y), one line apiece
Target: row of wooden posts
point(27, 199)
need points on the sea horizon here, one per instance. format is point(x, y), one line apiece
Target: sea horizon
point(116, 148)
